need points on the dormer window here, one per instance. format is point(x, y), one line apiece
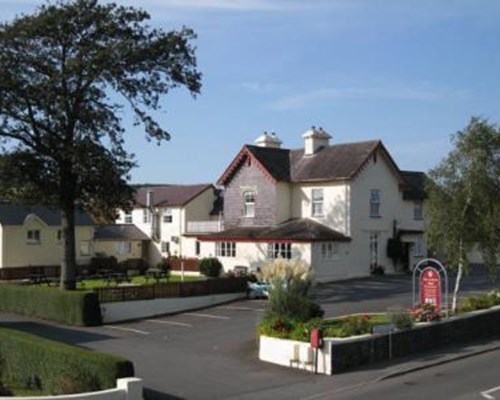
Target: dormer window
point(249, 204)
point(33, 236)
point(317, 202)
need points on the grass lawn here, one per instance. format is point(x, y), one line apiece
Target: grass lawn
point(136, 280)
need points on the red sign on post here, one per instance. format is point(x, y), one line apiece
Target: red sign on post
point(430, 287)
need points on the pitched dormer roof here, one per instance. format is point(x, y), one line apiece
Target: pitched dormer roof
point(414, 187)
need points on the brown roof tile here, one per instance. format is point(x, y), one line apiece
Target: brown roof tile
point(170, 195)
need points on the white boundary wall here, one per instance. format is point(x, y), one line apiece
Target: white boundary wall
point(126, 389)
point(291, 353)
point(128, 310)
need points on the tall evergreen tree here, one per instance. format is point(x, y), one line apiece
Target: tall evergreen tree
point(68, 73)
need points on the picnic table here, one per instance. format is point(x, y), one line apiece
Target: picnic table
point(38, 279)
point(156, 274)
point(117, 277)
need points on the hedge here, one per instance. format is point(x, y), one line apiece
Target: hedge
point(69, 307)
point(33, 362)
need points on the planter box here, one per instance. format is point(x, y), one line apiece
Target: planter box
point(339, 355)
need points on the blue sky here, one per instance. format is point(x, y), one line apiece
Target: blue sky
point(408, 72)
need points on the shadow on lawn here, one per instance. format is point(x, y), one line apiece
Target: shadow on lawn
point(58, 333)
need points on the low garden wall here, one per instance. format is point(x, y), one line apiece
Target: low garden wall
point(126, 389)
point(344, 354)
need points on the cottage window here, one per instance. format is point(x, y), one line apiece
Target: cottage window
point(225, 249)
point(59, 235)
point(375, 203)
point(128, 217)
point(124, 247)
point(317, 202)
point(146, 216)
point(279, 250)
point(249, 204)
point(418, 210)
point(167, 215)
point(165, 247)
point(85, 248)
point(33, 236)
point(328, 250)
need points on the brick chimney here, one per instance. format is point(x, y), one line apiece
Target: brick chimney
point(268, 140)
point(314, 140)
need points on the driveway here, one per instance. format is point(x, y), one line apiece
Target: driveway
point(212, 353)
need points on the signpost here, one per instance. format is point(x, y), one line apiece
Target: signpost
point(316, 343)
point(432, 281)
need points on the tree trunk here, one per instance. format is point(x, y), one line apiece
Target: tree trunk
point(458, 280)
point(68, 264)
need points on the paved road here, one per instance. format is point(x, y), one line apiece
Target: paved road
point(212, 353)
point(471, 378)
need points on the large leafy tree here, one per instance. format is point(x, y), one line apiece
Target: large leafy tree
point(68, 74)
point(463, 205)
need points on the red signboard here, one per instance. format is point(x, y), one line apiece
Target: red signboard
point(430, 287)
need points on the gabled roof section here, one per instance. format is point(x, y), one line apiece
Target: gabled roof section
point(337, 162)
point(170, 195)
point(331, 163)
point(15, 214)
point(273, 162)
point(119, 232)
point(293, 230)
point(414, 187)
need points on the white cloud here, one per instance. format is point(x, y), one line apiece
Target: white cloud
point(303, 100)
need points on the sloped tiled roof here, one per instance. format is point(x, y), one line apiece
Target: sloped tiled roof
point(414, 188)
point(336, 162)
point(119, 232)
point(15, 214)
point(293, 230)
point(170, 195)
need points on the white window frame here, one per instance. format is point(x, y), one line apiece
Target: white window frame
point(33, 236)
point(317, 201)
point(279, 249)
point(127, 217)
point(167, 215)
point(165, 247)
point(249, 204)
point(418, 210)
point(375, 201)
point(146, 216)
point(225, 249)
point(85, 248)
point(329, 250)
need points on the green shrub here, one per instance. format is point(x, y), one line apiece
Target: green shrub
point(401, 320)
point(495, 297)
point(355, 325)
point(276, 327)
point(32, 362)
point(210, 267)
point(478, 302)
point(69, 307)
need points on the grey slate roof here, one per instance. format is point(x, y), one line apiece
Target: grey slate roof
point(336, 162)
point(170, 195)
point(293, 230)
point(415, 185)
point(119, 232)
point(15, 214)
